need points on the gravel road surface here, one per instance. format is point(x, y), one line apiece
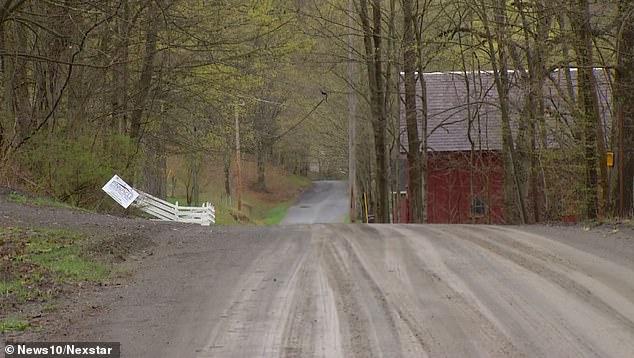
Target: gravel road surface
point(335, 290)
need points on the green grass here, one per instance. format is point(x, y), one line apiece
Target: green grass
point(18, 198)
point(16, 290)
point(30, 288)
point(224, 217)
point(12, 324)
point(276, 214)
point(298, 181)
point(49, 308)
point(259, 208)
point(68, 264)
point(182, 201)
point(261, 213)
point(7, 288)
point(62, 252)
point(42, 260)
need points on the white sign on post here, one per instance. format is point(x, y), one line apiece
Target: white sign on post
point(120, 191)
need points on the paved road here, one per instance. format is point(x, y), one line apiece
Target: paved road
point(335, 290)
point(325, 202)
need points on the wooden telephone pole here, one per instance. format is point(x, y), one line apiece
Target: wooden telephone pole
point(238, 174)
point(352, 125)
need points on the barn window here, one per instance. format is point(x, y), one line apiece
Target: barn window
point(478, 207)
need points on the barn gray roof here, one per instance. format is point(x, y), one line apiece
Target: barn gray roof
point(463, 108)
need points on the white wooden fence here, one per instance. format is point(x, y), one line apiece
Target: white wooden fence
point(163, 210)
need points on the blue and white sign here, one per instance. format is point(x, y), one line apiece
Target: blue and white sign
point(120, 191)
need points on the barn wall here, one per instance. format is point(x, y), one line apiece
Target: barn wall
point(452, 177)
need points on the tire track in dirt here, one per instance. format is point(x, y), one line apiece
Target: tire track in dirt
point(568, 309)
point(429, 318)
point(297, 338)
point(510, 297)
point(253, 325)
point(545, 265)
point(414, 339)
point(354, 320)
point(594, 271)
point(312, 329)
point(390, 340)
point(369, 327)
point(456, 327)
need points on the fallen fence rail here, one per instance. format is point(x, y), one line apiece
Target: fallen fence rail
point(204, 215)
point(126, 195)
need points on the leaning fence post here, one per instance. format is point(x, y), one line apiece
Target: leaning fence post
point(204, 218)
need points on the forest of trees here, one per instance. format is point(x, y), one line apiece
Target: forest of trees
point(547, 174)
point(91, 88)
point(96, 87)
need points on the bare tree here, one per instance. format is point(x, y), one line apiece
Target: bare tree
point(372, 40)
point(414, 148)
point(589, 118)
point(625, 105)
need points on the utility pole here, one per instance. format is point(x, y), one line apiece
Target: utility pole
point(239, 178)
point(352, 125)
point(620, 163)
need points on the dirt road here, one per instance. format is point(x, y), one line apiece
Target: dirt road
point(379, 291)
point(335, 290)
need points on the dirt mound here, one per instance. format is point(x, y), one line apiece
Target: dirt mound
point(58, 263)
point(120, 246)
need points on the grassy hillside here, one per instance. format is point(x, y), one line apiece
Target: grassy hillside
point(258, 207)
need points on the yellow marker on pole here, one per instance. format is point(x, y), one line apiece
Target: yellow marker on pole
point(610, 159)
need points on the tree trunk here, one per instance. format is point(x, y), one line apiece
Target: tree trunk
point(625, 103)
point(120, 74)
point(154, 180)
point(373, 56)
point(588, 102)
point(4, 109)
point(227, 170)
point(411, 118)
point(260, 184)
point(24, 121)
point(152, 176)
point(535, 36)
point(352, 120)
point(147, 70)
point(423, 116)
point(499, 63)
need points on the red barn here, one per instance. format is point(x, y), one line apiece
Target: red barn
point(465, 176)
point(464, 142)
point(465, 187)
